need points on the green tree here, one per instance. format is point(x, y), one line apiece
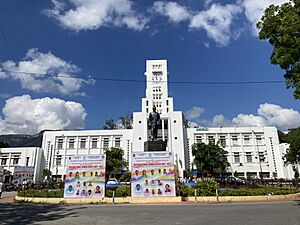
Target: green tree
point(282, 137)
point(4, 145)
point(110, 125)
point(47, 174)
point(127, 120)
point(210, 159)
point(115, 162)
point(280, 25)
point(293, 153)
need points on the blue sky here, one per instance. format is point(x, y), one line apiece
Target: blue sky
point(202, 41)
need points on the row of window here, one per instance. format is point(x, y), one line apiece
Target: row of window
point(83, 143)
point(224, 141)
point(14, 160)
point(249, 157)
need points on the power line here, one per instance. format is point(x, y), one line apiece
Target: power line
point(143, 81)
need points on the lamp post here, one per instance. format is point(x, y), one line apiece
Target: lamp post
point(256, 145)
point(56, 162)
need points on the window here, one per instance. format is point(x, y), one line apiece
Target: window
point(236, 156)
point(117, 142)
point(262, 157)
point(15, 161)
point(223, 141)
point(234, 140)
point(94, 142)
point(58, 160)
point(211, 140)
point(82, 143)
point(246, 139)
point(15, 158)
point(27, 161)
point(248, 157)
point(72, 143)
point(147, 102)
point(105, 143)
point(60, 143)
point(259, 139)
point(3, 161)
point(167, 102)
point(198, 139)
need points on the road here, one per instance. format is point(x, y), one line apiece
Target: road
point(272, 213)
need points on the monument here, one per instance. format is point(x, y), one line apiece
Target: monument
point(154, 144)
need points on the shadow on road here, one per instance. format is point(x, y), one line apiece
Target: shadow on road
point(29, 213)
point(297, 202)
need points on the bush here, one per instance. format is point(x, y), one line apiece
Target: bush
point(122, 191)
point(261, 190)
point(206, 187)
point(185, 191)
point(56, 193)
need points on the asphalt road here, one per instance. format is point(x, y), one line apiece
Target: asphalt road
point(273, 213)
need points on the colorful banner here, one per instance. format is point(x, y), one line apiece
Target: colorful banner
point(23, 173)
point(152, 174)
point(85, 177)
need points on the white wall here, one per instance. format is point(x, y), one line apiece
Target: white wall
point(268, 146)
point(32, 154)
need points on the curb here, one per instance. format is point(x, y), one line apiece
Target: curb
point(158, 200)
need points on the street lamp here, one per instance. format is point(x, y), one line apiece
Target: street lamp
point(56, 162)
point(256, 144)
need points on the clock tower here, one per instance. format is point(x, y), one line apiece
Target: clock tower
point(170, 129)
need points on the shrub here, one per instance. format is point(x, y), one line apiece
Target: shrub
point(56, 193)
point(185, 191)
point(206, 187)
point(122, 191)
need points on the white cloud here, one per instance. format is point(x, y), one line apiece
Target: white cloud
point(219, 120)
point(175, 12)
point(243, 120)
point(59, 75)
point(278, 116)
point(254, 10)
point(217, 21)
point(91, 14)
point(267, 115)
point(194, 113)
point(22, 114)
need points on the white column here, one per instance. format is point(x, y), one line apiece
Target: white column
point(89, 144)
point(77, 143)
point(169, 135)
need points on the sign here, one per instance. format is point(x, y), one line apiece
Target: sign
point(152, 174)
point(85, 177)
point(202, 129)
point(23, 173)
point(195, 172)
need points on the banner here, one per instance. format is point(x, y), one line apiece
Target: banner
point(152, 174)
point(23, 173)
point(85, 177)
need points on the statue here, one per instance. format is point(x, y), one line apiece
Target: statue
point(154, 119)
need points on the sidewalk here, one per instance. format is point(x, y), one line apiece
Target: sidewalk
point(8, 197)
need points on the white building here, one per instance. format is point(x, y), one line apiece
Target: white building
point(10, 158)
point(250, 149)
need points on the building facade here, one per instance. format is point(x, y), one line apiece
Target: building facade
point(251, 150)
point(11, 158)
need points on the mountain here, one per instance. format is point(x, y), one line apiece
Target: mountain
point(22, 140)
